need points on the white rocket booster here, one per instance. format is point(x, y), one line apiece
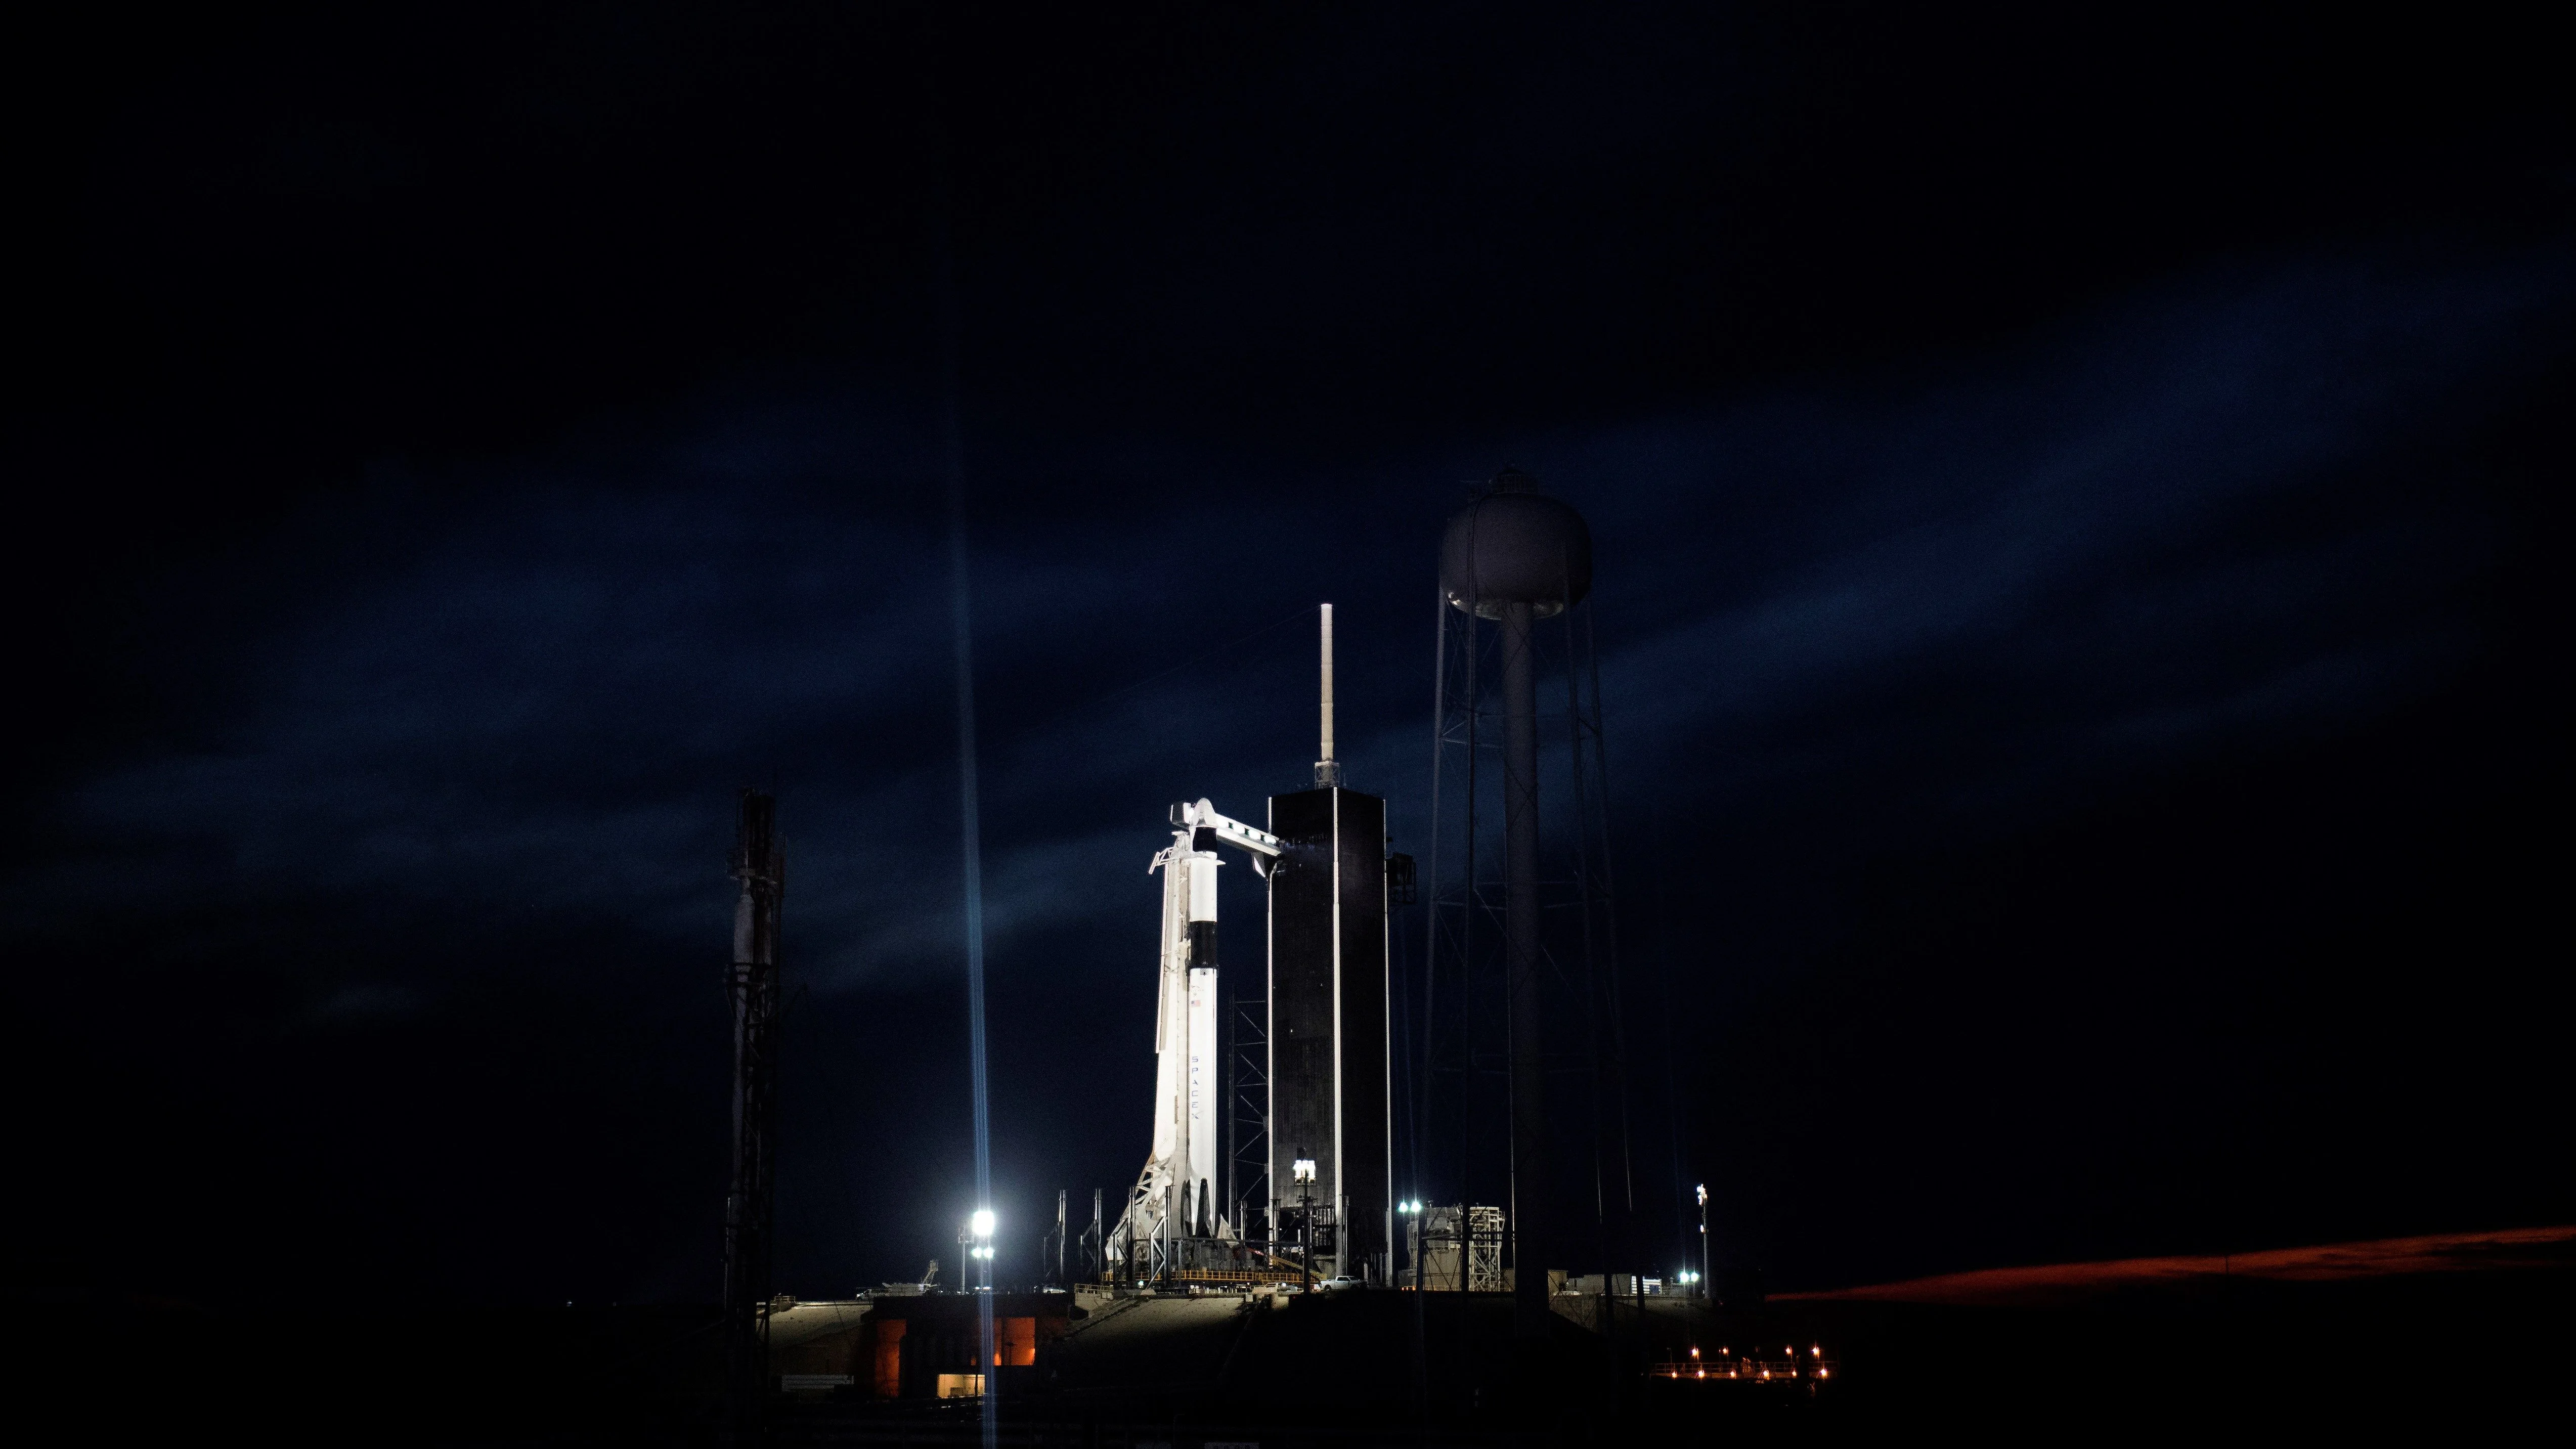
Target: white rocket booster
point(1185, 1046)
point(1176, 1195)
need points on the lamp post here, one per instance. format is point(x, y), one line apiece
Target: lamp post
point(980, 1227)
point(1690, 1308)
point(1412, 1239)
point(1304, 1170)
point(1706, 1268)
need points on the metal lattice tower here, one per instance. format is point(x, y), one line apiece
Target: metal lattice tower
point(752, 982)
point(1247, 1168)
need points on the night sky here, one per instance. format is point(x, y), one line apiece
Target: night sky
point(2081, 522)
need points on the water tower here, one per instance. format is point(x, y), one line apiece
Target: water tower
point(1521, 990)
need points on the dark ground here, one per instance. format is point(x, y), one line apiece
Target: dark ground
point(2461, 1354)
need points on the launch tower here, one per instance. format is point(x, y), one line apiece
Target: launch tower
point(1329, 1169)
point(1329, 1087)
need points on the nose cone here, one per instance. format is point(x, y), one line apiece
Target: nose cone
point(1516, 545)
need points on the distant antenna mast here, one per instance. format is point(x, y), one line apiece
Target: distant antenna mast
point(752, 981)
point(1328, 771)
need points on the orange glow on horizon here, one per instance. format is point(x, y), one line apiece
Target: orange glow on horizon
point(2067, 1282)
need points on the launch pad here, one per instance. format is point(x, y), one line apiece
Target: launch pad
point(1284, 1089)
point(1320, 1203)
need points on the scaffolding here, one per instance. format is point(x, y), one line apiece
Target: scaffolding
point(1247, 1160)
point(1451, 1261)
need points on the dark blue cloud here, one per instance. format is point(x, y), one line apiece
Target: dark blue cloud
point(490, 721)
point(1974, 583)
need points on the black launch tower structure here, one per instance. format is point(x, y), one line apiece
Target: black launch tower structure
point(1328, 1068)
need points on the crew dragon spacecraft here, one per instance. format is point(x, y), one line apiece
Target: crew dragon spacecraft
point(1329, 1173)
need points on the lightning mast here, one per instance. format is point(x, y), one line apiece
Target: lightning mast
point(752, 982)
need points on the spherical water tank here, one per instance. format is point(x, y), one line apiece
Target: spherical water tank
point(1516, 545)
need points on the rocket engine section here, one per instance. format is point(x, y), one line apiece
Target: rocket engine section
point(1174, 1203)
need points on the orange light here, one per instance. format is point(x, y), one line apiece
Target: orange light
point(1703, 1373)
point(1694, 1353)
point(1824, 1373)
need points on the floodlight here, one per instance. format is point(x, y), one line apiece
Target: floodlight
point(982, 1222)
